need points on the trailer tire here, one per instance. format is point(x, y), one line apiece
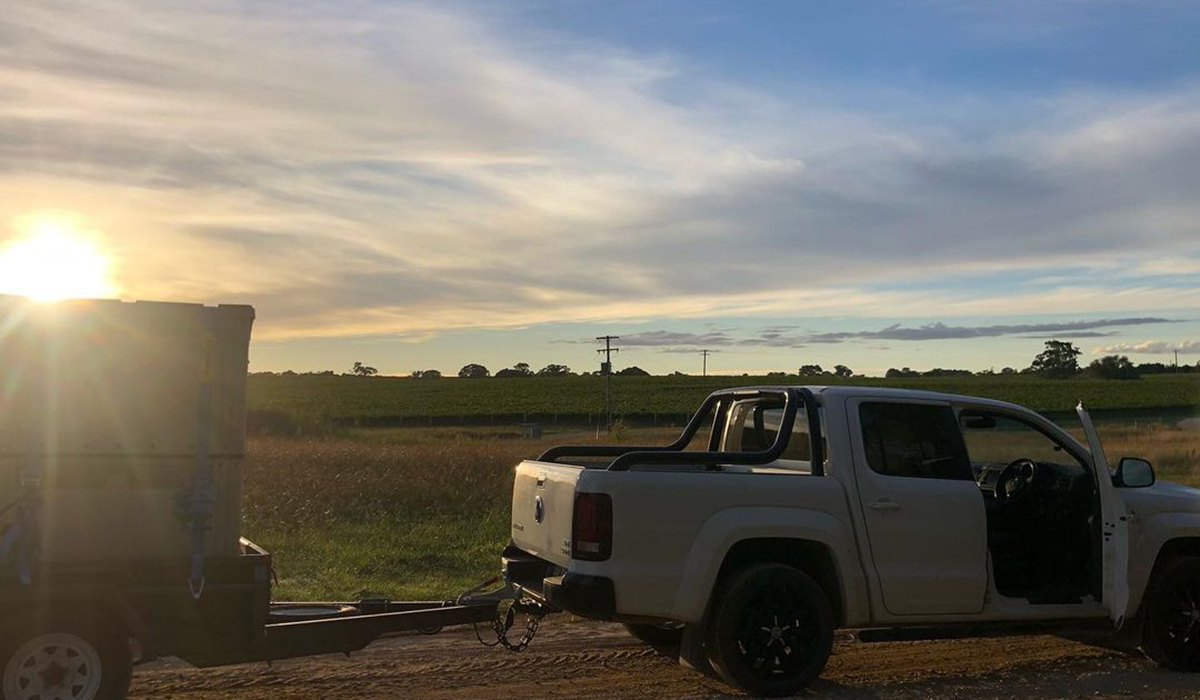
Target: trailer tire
point(74, 658)
point(770, 631)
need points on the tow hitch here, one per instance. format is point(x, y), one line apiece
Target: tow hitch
point(510, 602)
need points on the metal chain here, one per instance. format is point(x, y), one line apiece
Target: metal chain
point(504, 622)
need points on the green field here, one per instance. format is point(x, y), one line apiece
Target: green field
point(304, 401)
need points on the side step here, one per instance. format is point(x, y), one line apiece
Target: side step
point(976, 630)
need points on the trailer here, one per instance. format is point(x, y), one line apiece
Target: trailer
point(122, 428)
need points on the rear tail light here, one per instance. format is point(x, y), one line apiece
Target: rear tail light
point(592, 527)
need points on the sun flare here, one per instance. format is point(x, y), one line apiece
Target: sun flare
point(53, 258)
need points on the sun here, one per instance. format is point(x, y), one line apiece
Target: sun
point(53, 258)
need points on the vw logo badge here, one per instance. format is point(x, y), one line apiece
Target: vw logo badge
point(539, 510)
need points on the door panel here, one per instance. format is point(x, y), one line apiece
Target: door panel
point(927, 535)
point(1115, 531)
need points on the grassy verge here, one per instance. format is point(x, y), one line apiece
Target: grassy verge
point(399, 558)
point(394, 513)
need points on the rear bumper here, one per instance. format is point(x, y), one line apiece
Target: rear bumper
point(583, 595)
point(579, 594)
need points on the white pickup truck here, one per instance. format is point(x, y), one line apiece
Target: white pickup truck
point(900, 514)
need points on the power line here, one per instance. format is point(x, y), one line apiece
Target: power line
point(606, 370)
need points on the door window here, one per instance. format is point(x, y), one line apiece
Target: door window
point(914, 440)
point(996, 439)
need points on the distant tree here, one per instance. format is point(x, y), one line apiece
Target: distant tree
point(842, 371)
point(288, 373)
point(939, 372)
point(1059, 360)
point(521, 369)
point(474, 371)
point(1008, 371)
point(677, 373)
point(894, 373)
point(361, 370)
point(633, 371)
point(811, 371)
point(554, 371)
point(1113, 367)
point(426, 374)
point(777, 374)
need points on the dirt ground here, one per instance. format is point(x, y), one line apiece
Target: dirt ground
point(574, 659)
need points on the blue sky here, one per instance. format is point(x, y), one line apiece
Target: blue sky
point(426, 184)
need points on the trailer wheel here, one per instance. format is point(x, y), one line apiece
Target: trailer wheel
point(1171, 632)
point(65, 659)
point(771, 630)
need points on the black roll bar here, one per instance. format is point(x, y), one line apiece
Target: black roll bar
point(627, 456)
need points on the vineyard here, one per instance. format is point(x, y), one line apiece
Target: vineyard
point(288, 402)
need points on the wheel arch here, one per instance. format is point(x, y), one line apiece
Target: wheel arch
point(813, 541)
point(1162, 538)
point(101, 606)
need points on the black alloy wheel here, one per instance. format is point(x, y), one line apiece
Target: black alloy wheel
point(771, 630)
point(1171, 635)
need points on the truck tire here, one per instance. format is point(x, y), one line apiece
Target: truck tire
point(666, 636)
point(770, 630)
point(1171, 628)
point(65, 657)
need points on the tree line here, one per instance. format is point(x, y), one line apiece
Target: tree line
point(522, 369)
point(1058, 360)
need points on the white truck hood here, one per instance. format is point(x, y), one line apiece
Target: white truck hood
point(1162, 497)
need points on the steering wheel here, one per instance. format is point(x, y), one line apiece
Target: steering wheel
point(1016, 479)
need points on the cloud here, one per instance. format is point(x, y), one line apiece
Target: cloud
point(370, 168)
point(941, 331)
point(671, 338)
point(1152, 347)
point(787, 337)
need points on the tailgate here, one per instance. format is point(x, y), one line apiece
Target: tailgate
point(542, 506)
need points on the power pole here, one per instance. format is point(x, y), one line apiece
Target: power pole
point(1176, 359)
point(606, 370)
point(705, 354)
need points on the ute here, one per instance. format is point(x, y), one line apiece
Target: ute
point(782, 514)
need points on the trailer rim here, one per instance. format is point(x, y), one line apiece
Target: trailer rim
point(57, 665)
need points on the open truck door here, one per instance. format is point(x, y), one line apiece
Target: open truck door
point(1114, 532)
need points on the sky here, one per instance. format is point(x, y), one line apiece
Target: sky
point(413, 185)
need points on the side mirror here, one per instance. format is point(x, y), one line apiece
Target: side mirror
point(1134, 473)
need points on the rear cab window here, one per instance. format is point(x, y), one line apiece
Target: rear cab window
point(753, 425)
point(914, 440)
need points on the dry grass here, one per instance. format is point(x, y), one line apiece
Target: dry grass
point(412, 513)
point(1175, 453)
